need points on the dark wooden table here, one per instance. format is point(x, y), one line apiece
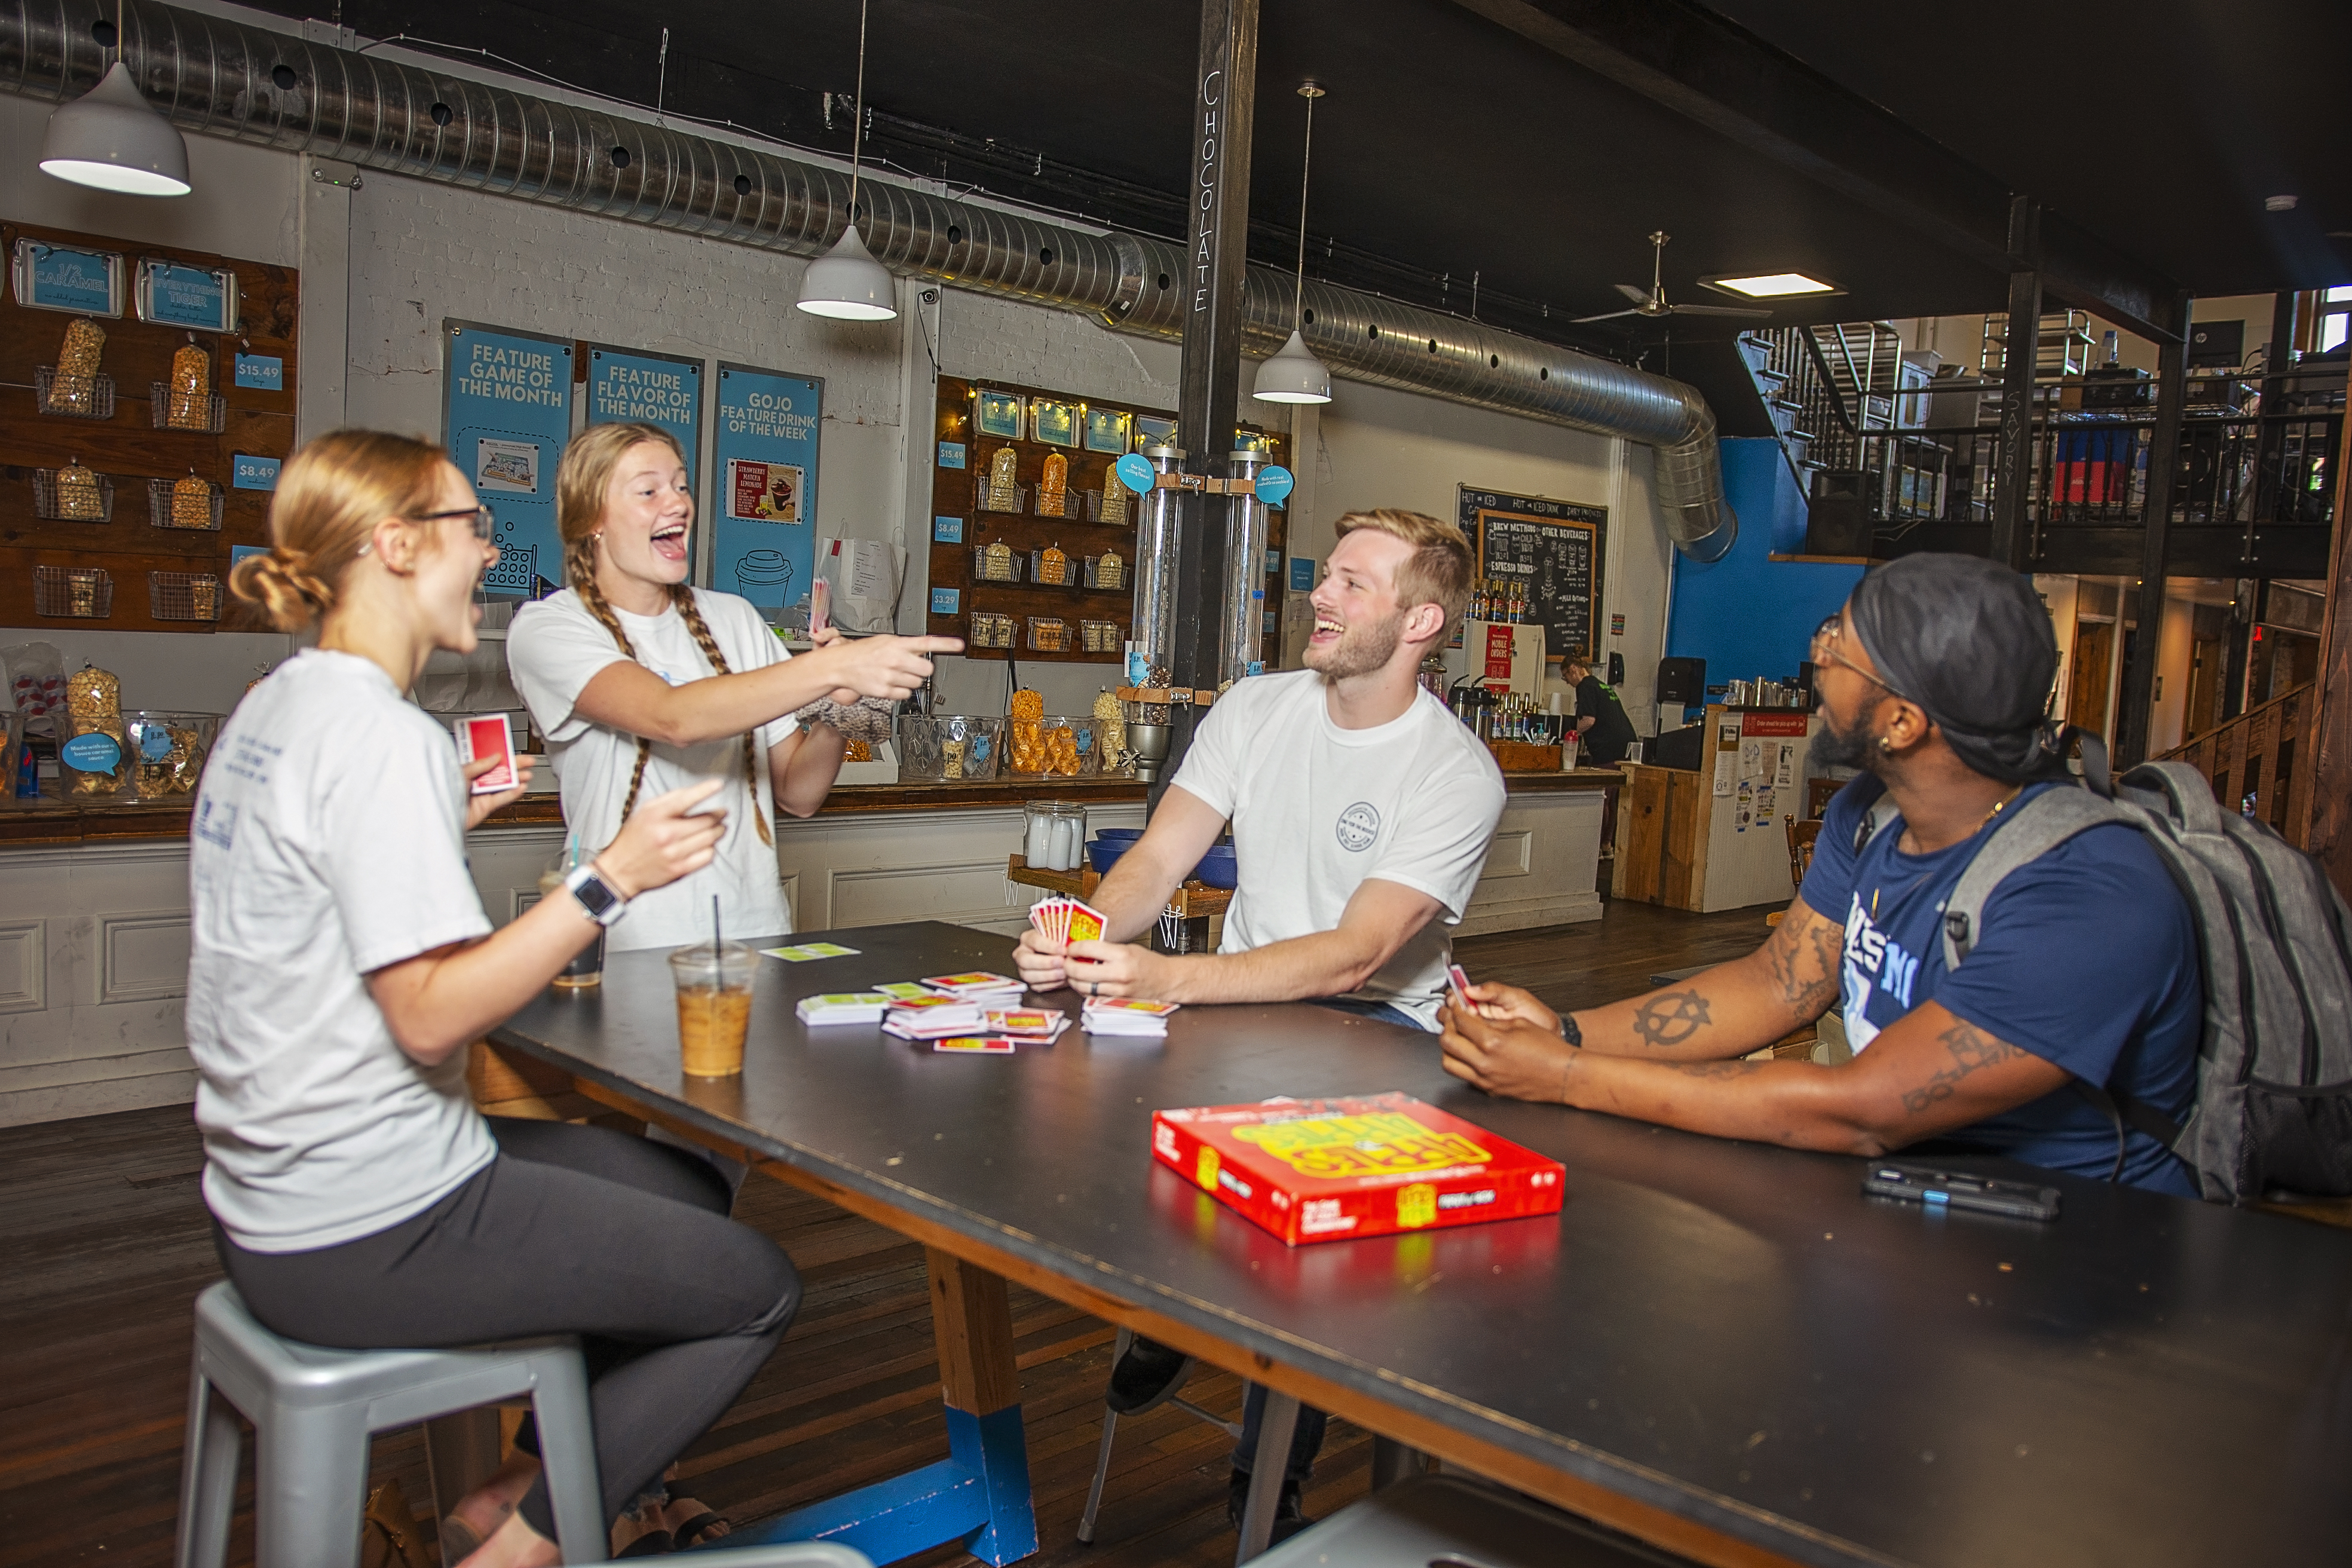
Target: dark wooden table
point(1724, 1349)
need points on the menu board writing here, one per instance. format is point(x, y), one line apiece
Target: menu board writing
point(1555, 548)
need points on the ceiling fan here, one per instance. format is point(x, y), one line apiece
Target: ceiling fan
point(1652, 302)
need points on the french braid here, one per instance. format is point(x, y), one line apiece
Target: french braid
point(580, 566)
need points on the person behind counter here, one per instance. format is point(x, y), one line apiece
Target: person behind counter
point(641, 683)
point(2085, 967)
point(1361, 810)
point(1604, 731)
point(341, 965)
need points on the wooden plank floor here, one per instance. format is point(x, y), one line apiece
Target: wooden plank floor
point(106, 1244)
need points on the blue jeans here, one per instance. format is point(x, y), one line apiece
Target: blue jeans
point(1364, 1008)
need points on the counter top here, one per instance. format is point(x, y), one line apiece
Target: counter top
point(49, 823)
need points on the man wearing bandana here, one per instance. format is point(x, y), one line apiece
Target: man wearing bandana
point(1933, 680)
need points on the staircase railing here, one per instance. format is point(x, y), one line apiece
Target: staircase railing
point(2252, 760)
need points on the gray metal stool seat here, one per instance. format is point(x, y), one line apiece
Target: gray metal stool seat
point(1429, 1521)
point(313, 1411)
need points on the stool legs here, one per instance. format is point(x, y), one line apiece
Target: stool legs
point(1102, 1455)
point(567, 1457)
point(310, 1487)
point(1266, 1474)
point(207, 1477)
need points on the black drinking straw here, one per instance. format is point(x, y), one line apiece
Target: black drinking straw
point(715, 941)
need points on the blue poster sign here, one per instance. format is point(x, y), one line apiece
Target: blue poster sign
point(247, 472)
point(650, 389)
point(264, 372)
point(506, 418)
point(58, 278)
point(1302, 574)
point(172, 295)
point(944, 600)
point(951, 454)
point(947, 531)
point(764, 459)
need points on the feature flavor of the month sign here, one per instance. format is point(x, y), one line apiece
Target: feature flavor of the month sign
point(765, 456)
point(626, 386)
point(507, 418)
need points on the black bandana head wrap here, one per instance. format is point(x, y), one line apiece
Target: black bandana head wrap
point(1968, 641)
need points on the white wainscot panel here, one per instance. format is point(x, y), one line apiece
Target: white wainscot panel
point(24, 966)
point(143, 957)
point(1540, 867)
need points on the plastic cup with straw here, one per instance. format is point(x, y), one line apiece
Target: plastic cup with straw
point(714, 1002)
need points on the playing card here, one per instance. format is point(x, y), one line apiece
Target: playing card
point(906, 991)
point(1084, 923)
point(1461, 983)
point(974, 980)
point(986, 1046)
point(1038, 1024)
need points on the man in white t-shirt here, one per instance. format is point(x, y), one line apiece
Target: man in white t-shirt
point(1361, 810)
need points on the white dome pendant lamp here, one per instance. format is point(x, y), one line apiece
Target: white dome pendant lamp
point(846, 284)
point(1294, 375)
point(112, 138)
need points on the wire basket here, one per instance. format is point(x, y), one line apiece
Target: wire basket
point(1049, 634)
point(979, 498)
point(73, 396)
point(211, 405)
point(990, 630)
point(46, 503)
point(183, 595)
point(1108, 572)
point(164, 513)
point(1072, 508)
point(1057, 573)
point(73, 593)
point(995, 563)
point(1099, 636)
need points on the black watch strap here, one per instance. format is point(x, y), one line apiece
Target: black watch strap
point(1569, 1031)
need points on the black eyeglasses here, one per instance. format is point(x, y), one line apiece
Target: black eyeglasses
point(484, 521)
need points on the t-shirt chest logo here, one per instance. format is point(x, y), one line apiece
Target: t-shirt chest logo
point(1359, 826)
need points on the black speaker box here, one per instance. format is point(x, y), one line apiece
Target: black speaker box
point(1682, 681)
point(1837, 525)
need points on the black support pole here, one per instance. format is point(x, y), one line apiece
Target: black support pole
point(2019, 357)
point(2156, 535)
point(1209, 381)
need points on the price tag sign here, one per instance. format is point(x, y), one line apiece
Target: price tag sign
point(1275, 484)
point(252, 473)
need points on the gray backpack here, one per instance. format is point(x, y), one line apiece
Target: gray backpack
point(2273, 1104)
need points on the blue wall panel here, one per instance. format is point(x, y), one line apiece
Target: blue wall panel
point(1748, 615)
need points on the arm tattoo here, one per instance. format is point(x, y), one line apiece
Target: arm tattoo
point(1671, 1017)
point(1805, 969)
point(1737, 1068)
point(1970, 1050)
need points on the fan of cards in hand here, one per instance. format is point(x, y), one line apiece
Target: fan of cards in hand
point(1066, 920)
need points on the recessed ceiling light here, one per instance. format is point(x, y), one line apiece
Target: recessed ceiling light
point(2280, 203)
point(1770, 285)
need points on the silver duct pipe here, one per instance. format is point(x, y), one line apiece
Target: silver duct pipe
point(221, 79)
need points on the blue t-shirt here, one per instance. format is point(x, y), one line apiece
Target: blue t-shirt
point(2086, 958)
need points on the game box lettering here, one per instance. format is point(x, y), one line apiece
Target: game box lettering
point(1326, 1169)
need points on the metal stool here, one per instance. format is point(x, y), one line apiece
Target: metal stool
point(1429, 1520)
point(1110, 1427)
point(313, 1411)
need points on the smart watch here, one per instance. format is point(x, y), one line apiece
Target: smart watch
point(604, 905)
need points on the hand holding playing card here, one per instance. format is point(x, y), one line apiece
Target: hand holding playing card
point(1117, 968)
point(1054, 923)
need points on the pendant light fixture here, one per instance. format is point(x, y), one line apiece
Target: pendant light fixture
point(1294, 375)
point(846, 284)
point(112, 138)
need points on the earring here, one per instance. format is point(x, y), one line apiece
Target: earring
point(1885, 745)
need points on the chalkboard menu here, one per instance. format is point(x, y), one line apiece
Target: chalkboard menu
point(1555, 548)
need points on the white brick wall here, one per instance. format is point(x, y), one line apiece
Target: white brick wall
point(1004, 340)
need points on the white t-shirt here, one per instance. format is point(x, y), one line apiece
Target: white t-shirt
point(1317, 809)
point(328, 842)
point(554, 649)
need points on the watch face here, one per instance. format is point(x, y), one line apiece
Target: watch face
point(593, 896)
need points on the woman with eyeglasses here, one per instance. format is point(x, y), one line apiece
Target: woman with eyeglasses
point(642, 683)
point(341, 964)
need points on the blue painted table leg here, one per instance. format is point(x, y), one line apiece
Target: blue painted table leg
point(994, 1448)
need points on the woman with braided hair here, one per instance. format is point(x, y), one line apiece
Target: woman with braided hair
point(641, 684)
point(340, 965)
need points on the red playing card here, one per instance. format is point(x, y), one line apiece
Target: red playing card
point(1085, 923)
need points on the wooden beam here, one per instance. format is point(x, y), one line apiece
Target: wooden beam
point(973, 1321)
point(2327, 833)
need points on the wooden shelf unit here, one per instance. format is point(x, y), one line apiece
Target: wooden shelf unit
point(956, 493)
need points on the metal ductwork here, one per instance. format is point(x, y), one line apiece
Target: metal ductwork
point(222, 78)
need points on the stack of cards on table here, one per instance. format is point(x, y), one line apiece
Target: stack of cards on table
point(934, 1018)
point(977, 988)
point(845, 1007)
point(1030, 1025)
point(1128, 1016)
point(1067, 919)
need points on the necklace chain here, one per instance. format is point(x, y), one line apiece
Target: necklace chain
point(2002, 804)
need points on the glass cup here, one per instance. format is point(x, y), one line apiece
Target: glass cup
point(587, 965)
point(714, 1006)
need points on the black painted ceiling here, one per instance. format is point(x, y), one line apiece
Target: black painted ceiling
point(1452, 155)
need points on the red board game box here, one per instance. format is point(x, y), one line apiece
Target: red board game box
point(1323, 1170)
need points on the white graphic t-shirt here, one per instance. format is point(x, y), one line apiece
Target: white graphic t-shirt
point(328, 842)
point(1317, 809)
point(555, 648)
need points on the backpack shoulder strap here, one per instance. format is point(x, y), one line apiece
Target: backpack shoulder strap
point(1874, 818)
point(2035, 828)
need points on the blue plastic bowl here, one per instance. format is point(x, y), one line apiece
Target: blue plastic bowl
point(1119, 835)
point(1218, 867)
point(1102, 854)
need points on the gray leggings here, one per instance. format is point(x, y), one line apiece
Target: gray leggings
point(573, 1230)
